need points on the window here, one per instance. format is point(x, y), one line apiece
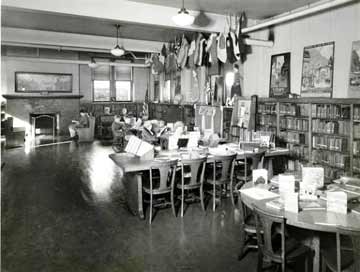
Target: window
point(101, 83)
point(123, 90)
point(123, 83)
point(101, 90)
point(112, 83)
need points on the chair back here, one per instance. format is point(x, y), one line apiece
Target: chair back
point(257, 159)
point(87, 134)
point(166, 170)
point(227, 167)
point(196, 167)
point(354, 233)
point(265, 223)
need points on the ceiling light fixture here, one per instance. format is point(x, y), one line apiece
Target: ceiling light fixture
point(117, 51)
point(183, 18)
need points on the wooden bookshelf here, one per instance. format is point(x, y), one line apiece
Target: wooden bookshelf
point(318, 131)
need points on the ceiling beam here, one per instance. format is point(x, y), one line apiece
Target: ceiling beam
point(71, 41)
point(120, 11)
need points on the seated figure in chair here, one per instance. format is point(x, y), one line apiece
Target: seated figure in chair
point(118, 128)
point(82, 123)
point(148, 134)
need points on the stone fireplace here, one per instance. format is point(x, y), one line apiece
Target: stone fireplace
point(44, 114)
point(44, 124)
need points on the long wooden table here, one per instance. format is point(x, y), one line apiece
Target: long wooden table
point(133, 167)
point(314, 220)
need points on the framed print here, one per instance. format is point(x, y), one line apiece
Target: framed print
point(280, 75)
point(317, 70)
point(28, 82)
point(354, 79)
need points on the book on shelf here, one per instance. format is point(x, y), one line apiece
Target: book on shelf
point(330, 111)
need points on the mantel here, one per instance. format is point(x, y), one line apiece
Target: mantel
point(60, 96)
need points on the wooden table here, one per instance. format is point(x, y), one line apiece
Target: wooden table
point(133, 167)
point(315, 220)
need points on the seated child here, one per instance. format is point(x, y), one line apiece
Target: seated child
point(118, 128)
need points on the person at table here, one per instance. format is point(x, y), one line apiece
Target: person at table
point(147, 133)
point(118, 128)
point(124, 114)
point(75, 125)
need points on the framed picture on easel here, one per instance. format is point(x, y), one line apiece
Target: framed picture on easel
point(280, 75)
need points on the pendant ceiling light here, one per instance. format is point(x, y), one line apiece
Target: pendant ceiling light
point(117, 50)
point(93, 63)
point(183, 18)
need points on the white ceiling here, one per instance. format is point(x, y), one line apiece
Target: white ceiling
point(256, 9)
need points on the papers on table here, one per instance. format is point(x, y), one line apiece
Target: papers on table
point(258, 193)
point(313, 177)
point(336, 202)
point(286, 185)
point(138, 147)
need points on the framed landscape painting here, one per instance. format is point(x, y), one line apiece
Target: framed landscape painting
point(354, 80)
point(28, 82)
point(280, 75)
point(317, 70)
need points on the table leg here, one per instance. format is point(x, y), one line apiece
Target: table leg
point(140, 197)
point(270, 168)
point(133, 193)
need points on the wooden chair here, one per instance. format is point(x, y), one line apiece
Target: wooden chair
point(192, 177)
point(243, 171)
point(222, 174)
point(161, 184)
point(345, 254)
point(248, 226)
point(289, 252)
point(87, 134)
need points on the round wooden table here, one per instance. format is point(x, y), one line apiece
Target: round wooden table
point(315, 220)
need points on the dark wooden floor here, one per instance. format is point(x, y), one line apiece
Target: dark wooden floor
point(62, 210)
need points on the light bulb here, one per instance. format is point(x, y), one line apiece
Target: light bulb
point(183, 18)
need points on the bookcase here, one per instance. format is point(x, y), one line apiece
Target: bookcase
point(317, 131)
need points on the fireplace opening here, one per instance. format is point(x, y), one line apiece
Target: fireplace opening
point(44, 124)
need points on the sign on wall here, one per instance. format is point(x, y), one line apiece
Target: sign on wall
point(354, 79)
point(317, 70)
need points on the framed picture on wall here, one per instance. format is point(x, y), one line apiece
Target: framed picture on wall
point(354, 79)
point(28, 82)
point(317, 70)
point(280, 75)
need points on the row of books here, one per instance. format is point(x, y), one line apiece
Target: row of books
point(299, 151)
point(294, 137)
point(332, 127)
point(357, 131)
point(267, 108)
point(357, 113)
point(330, 143)
point(330, 158)
point(333, 173)
point(295, 124)
point(294, 110)
point(331, 111)
point(356, 148)
point(267, 120)
point(245, 135)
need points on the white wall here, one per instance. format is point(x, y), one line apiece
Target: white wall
point(341, 25)
point(10, 66)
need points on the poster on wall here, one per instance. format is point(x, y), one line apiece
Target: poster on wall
point(280, 75)
point(354, 80)
point(317, 70)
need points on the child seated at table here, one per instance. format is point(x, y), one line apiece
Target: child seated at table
point(118, 128)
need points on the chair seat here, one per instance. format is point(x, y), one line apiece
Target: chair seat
point(217, 182)
point(294, 250)
point(188, 186)
point(156, 191)
point(329, 255)
point(250, 224)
